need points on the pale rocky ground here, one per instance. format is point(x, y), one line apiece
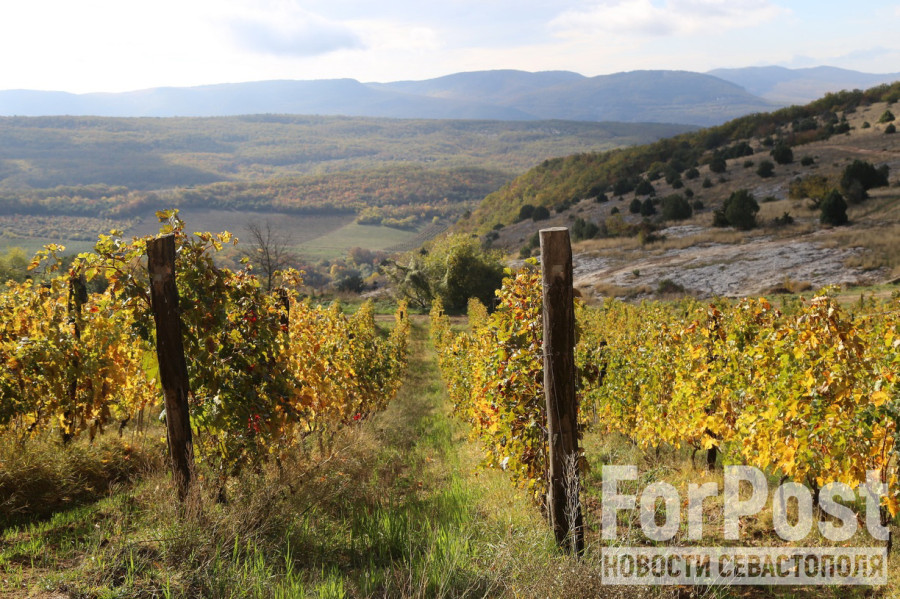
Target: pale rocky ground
point(753, 267)
point(708, 262)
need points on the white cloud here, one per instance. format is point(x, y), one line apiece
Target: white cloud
point(394, 35)
point(673, 17)
point(291, 31)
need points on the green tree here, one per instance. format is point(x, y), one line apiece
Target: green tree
point(738, 211)
point(635, 206)
point(647, 208)
point(460, 269)
point(886, 117)
point(584, 229)
point(453, 268)
point(782, 154)
point(676, 207)
point(718, 165)
point(833, 209)
point(540, 213)
point(644, 187)
point(866, 177)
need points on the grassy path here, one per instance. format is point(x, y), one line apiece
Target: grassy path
point(397, 509)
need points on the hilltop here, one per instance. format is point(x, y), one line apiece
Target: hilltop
point(628, 254)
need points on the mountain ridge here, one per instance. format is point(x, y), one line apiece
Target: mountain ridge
point(637, 96)
point(652, 96)
point(799, 86)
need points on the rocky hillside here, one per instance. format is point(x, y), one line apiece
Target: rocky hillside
point(661, 252)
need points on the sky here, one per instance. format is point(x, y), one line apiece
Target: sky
point(122, 45)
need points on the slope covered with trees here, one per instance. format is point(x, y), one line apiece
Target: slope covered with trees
point(618, 172)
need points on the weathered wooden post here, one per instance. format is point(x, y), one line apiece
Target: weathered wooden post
point(285, 299)
point(559, 389)
point(78, 296)
point(170, 354)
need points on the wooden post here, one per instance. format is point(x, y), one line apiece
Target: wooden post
point(285, 299)
point(559, 389)
point(170, 354)
point(77, 298)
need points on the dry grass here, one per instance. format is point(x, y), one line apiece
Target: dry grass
point(611, 290)
point(882, 245)
point(40, 476)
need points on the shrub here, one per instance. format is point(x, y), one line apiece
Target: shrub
point(886, 117)
point(765, 169)
point(807, 161)
point(615, 210)
point(540, 213)
point(748, 163)
point(842, 127)
point(718, 165)
point(783, 220)
point(890, 129)
point(596, 190)
point(738, 211)
point(583, 229)
point(833, 209)
point(623, 186)
point(669, 287)
point(691, 173)
point(647, 208)
point(807, 124)
point(782, 154)
point(867, 177)
point(644, 188)
point(865, 125)
point(814, 187)
point(855, 192)
point(707, 183)
point(526, 211)
point(697, 205)
point(676, 207)
point(635, 206)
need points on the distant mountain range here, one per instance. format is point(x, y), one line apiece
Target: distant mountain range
point(799, 86)
point(637, 96)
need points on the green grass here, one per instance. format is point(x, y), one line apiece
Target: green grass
point(313, 237)
point(395, 507)
point(337, 242)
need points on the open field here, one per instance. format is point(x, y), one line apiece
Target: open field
point(313, 237)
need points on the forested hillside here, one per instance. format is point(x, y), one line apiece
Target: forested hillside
point(617, 172)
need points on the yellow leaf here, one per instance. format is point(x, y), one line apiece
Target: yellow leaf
point(879, 397)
